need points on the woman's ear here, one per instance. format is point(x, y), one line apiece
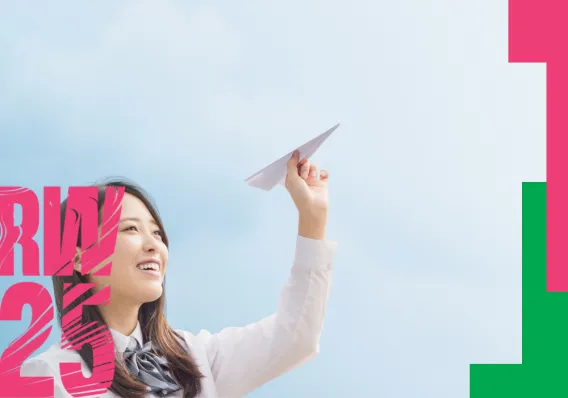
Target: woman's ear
point(77, 261)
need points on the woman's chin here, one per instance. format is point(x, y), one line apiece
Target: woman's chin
point(150, 293)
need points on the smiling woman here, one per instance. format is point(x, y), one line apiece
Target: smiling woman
point(151, 358)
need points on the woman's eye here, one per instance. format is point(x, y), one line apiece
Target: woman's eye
point(133, 228)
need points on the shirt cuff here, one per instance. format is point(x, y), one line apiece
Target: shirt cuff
point(314, 254)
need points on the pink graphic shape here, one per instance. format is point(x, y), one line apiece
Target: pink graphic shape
point(76, 334)
point(538, 32)
point(102, 249)
point(60, 252)
point(40, 301)
point(11, 234)
point(81, 213)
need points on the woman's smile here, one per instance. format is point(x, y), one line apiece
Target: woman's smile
point(152, 271)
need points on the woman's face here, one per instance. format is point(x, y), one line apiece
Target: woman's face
point(139, 259)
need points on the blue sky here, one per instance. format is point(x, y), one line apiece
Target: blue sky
point(188, 99)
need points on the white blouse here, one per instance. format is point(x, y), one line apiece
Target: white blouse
point(238, 360)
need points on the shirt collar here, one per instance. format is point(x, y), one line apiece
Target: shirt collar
point(121, 341)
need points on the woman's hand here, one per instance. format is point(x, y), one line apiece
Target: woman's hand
point(310, 195)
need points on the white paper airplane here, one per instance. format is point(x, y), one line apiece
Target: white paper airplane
point(275, 173)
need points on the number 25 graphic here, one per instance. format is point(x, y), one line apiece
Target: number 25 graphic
point(58, 254)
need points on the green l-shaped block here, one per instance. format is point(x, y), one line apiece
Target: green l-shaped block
point(543, 372)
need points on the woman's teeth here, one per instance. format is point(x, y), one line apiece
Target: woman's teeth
point(149, 266)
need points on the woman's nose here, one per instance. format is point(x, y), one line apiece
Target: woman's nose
point(149, 248)
point(150, 243)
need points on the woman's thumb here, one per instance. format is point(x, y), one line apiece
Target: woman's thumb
point(293, 164)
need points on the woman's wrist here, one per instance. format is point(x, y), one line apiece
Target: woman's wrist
point(312, 226)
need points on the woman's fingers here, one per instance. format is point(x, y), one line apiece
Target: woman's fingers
point(308, 170)
point(304, 168)
point(313, 171)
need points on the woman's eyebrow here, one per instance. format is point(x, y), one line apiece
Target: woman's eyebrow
point(136, 219)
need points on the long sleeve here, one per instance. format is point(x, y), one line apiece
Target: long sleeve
point(242, 359)
point(38, 367)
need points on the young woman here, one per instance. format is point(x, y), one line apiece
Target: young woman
point(152, 359)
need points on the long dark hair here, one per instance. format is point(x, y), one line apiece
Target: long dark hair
point(151, 315)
